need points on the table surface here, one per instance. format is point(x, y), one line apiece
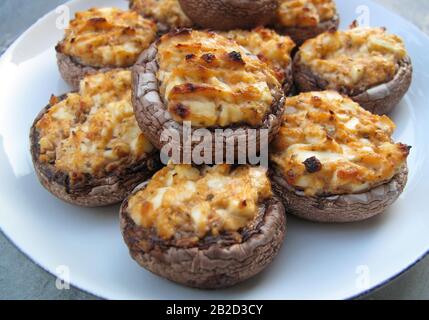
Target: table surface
point(20, 278)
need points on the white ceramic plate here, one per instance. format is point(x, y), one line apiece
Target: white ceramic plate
point(316, 261)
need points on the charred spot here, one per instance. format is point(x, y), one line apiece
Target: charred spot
point(129, 31)
point(354, 24)
point(244, 203)
point(190, 56)
point(208, 57)
point(210, 197)
point(235, 56)
point(53, 100)
point(181, 110)
point(405, 149)
point(190, 87)
point(312, 165)
point(59, 47)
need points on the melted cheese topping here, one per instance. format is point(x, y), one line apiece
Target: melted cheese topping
point(305, 13)
point(329, 145)
point(356, 59)
point(182, 201)
point(211, 81)
point(107, 37)
point(268, 45)
point(93, 131)
point(168, 12)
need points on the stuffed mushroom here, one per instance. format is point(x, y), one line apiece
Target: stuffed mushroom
point(204, 227)
point(167, 13)
point(229, 14)
point(271, 48)
point(98, 40)
point(87, 148)
point(305, 19)
point(201, 80)
point(367, 64)
point(333, 161)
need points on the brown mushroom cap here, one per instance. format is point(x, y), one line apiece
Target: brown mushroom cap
point(154, 118)
point(340, 208)
point(93, 192)
point(73, 72)
point(380, 99)
point(229, 14)
point(300, 34)
point(215, 263)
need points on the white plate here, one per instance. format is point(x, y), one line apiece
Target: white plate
point(316, 261)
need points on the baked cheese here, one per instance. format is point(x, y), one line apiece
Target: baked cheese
point(167, 12)
point(182, 201)
point(94, 131)
point(305, 13)
point(329, 145)
point(354, 60)
point(212, 81)
point(268, 45)
point(107, 37)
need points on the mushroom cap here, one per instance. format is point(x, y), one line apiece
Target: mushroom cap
point(229, 14)
point(340, 208)
point(300, 34)
point(73, 72)
point(380, 99)
point(154, 118)
point(94, 192)
point(218, 263)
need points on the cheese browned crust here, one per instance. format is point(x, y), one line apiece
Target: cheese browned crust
point(107, 37)
point(182, 202)
point(268, 45)
point(354, 60)
point(167, 12)
point(212, 81)
point(329, 145)
point(305, 13)
point(94, 131)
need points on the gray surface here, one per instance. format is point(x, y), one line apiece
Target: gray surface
point(22, 279)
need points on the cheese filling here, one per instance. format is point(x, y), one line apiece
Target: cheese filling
point(268, 45)
point(357, 59)
point(107, 37)
point(182, 201)
point(168, 12)
point(211, 81)
point(329, 145)
point(93, 131)
point(305, 13)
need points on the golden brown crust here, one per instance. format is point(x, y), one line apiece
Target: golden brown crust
point(305, 19)
point(154, 118)
point(87, 148)
point(107, 37)
point(329, 145)
point(380, 99)
point(270, 47)
point(213, 263)
point(184, 204)
point(212, 81)
point(167, 13)
point(92, 192)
